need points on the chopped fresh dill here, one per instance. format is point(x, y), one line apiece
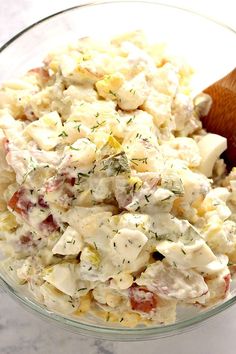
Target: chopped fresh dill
point(63, 134)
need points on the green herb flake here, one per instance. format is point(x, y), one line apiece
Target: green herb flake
point(81, 289)
point(78, 127)
point(147, 197)
point(130, 120)
point(63, 134)
point(132, 91)
point(112, 93)
point(136, 160)
point(73, 148)
point(80, 175)
point(115, 164)
point(32, 167)
point(167, 198)
point(98, 125)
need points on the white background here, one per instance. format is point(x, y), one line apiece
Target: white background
point(23, 333)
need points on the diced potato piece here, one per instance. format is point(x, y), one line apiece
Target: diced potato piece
point(101, 188)
point(82, 93)
point(221, 236)
point(56, 300)
point(170, 282)
point(85, 303)
point(45, 131)
point(133, 93)
point(7, 221)
point(7, 121)
point(70, 243)
point(82, 152)
point(90, 256)
point(159, 106)
point(166, 80)
point(191, 255)
point(186, 149)
point(3, 152)
point(182, 109)
point(214, 267)
point(218, 286)
point(143, 154)
point(64, 277)
point(73, 131)
point(92, 114)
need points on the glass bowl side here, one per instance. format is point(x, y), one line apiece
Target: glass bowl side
point(188, 34)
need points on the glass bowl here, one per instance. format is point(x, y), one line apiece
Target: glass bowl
point(209, 46)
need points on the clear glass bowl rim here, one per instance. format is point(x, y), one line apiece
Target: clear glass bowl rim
point(123, 334)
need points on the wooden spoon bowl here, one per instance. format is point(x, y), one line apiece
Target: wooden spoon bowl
point(221, 118)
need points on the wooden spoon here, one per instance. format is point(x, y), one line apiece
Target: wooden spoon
point(221, 118)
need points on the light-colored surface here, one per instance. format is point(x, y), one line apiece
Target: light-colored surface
point(22, 332)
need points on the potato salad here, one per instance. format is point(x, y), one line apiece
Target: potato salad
point(114, 202)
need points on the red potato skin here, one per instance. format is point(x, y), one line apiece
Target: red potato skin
point(43, 73)
point(19, 203)
point(58, 181)
point(71, 181)
point(227, 279)
point(26, 240)
point(42, 203)
point(6, 145)
point(49, 224)
point(140, 304)
point(53, 185)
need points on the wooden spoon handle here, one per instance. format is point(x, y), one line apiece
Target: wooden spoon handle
point(221, 118)
point(228, 81)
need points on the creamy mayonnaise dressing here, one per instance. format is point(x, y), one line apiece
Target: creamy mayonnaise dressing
point(113, 199)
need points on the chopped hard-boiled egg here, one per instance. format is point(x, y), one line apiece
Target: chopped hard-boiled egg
point(211, 146)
